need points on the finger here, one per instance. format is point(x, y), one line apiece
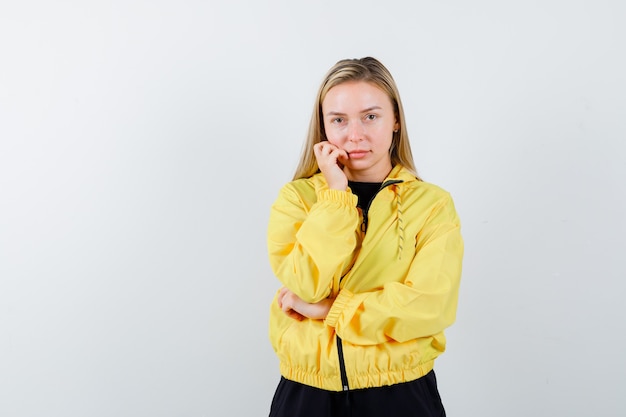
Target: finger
point(281, 296)
point(287, 308)
point(325, 147)
point(342, 154)
point(338, 153)
point(294, 315)
point(330, 149)
point(319, 147)
point(287, 303)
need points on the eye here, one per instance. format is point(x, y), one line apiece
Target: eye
point(337, 120)
point(371, 117)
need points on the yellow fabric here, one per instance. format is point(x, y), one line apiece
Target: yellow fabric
point(395, 287)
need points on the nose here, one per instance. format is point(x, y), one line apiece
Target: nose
point(355, 131)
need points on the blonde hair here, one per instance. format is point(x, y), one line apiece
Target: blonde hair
point(366, 69)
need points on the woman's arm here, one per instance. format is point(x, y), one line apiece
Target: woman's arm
point(423, 303)
point(294, 307)
point(309, 247)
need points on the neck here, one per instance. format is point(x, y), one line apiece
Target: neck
point(360, 176)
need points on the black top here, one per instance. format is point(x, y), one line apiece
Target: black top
point(365, 191)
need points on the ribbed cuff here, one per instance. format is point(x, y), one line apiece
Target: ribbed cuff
point(340, 303)
point(344, 197)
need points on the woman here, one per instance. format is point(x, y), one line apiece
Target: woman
point(369, 257)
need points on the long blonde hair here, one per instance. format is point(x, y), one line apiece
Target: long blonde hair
point(364, 69)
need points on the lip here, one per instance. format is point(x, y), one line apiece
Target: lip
point(357, 154)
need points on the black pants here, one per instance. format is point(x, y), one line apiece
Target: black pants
point(419, 398)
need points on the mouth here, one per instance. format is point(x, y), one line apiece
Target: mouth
point(357, 154)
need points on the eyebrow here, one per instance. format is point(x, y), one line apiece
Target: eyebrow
point(336, 113)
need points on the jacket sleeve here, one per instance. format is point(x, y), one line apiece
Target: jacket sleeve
point(422, 304)
point(310, 247)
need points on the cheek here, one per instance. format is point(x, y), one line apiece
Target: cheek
point(333, 140)
point(333, 137)
point(385, 138)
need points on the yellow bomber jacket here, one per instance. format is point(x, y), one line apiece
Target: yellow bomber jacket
point(394, 277)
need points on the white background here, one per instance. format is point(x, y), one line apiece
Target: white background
point(142, 143)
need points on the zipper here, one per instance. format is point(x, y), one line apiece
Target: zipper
point(367, 209)
point(342, 363)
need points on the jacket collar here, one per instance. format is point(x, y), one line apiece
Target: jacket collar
point(400, 173)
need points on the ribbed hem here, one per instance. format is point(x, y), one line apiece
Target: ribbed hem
point(359, 381)
point(380, 379)
point(329, 383)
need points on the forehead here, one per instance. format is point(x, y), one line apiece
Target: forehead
point(355, 93)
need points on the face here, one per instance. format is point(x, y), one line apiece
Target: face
point(359, 118)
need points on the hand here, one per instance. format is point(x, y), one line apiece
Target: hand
point(329, 158)
point(294, 307)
